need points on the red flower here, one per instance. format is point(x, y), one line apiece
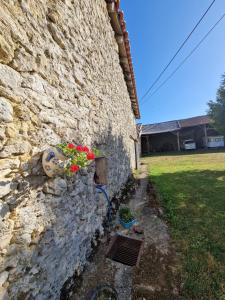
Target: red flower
point(86, 149)
point(71, 146)
point(74, 168)
point(90, 155)
point(79, 148)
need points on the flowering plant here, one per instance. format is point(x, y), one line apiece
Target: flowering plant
point(78, 156)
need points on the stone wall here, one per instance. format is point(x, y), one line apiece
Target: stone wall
point(60, 80)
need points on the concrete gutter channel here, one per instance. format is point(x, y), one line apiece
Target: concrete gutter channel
point(156, 277)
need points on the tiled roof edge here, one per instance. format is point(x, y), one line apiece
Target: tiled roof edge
point(121, 34)
point(179, 123)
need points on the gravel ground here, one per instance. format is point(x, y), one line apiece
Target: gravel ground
point(156, 277)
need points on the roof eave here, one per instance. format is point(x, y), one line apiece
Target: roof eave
point(158, 132)
point(121, 35)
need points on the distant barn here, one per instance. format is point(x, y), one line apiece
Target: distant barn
point(191, 133)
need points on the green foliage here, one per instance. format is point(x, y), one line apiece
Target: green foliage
point(97, 152)
point(80, 159)
point(67, 151)
point(126, 214)
point(77, 156)
point(217, 109)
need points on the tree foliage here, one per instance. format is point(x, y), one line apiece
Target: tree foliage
point(217, 108)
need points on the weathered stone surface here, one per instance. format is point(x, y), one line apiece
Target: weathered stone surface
point(56, 186)
point(6, 110)
point(5, 187)
point(51, 138)
point(6, 52)
point(11, 131)
point(6, 233)
point(53, 16)
point(16, 149)
point(9, 77)
point(3, 277)
point(9, 94)
point(2, 133)
point(4, 209)
point(56, 35)
point(62, 77)
point(20, 61)
point(10, 164)
point(4, 294)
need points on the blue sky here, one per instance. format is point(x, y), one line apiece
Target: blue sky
point(156, 30)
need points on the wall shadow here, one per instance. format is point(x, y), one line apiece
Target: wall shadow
point(53, 240)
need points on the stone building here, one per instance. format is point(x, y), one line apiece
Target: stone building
point(65, 75)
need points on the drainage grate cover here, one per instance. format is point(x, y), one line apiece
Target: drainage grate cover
point(125, 250)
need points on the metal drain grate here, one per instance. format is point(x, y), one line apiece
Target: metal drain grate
point(125, 250)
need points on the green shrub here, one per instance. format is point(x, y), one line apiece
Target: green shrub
point(126, 214)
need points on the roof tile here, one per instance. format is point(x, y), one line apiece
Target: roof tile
point(174, 125)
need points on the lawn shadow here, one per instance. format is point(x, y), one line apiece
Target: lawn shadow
point(193, 187)
point(182, 153)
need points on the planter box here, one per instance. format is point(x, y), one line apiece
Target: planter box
point(127, 225)
point(101, 170)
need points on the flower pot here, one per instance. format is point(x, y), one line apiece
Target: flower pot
point(127, 225)
point(54, 162)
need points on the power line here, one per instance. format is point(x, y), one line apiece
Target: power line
point(186, 58)
point(179, 49)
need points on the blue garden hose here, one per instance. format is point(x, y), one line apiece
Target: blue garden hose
point(101, 189)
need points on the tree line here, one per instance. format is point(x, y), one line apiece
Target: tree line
point(216, 109)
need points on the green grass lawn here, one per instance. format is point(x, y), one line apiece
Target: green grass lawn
point(192, 191)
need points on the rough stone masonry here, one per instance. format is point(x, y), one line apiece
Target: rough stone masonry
point(60, 80)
